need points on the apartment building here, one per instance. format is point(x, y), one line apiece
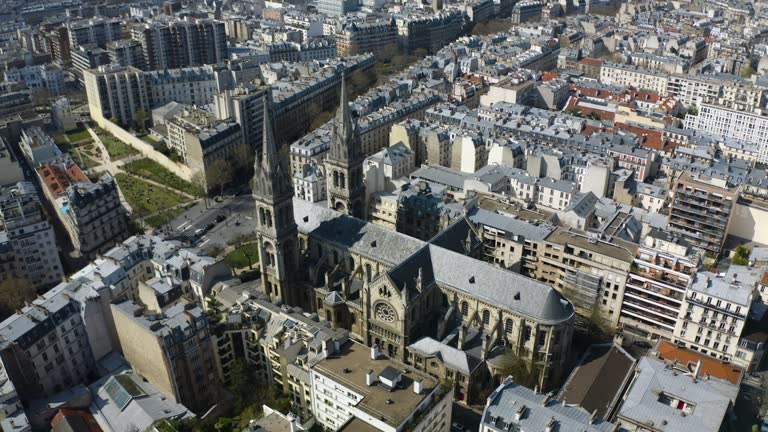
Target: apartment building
point(189, 85)
point(245, 104)
point(527, 11)
point(47, 77)
point(361, 389)
point(172, 350)
point(701, 212)
point(734, 124)
point(45, 348)
point(91, 213)
point(588, 271)
point(278, 343)
point(97, 31)
point(126, 52)
point(309, 183)
point(633, 76)
point(655, 291)
point(360, 38)
point(638, 159)
point(180, 43)
point(430, 32)
point(715, 311)
point(726, 91)
point(510, 241)
point(88, 56)
point(30, 237)
point(555, 194)
point(116, 92)
point(200, 139)
point(38, 147)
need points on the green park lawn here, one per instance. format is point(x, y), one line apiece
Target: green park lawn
point(145, 198)
point(152, 170)
point(238, 258)
point(117, 149)
point(78, 135)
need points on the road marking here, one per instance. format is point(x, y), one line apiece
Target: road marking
point(249, 218)
point(183, 226)
point(203, 243)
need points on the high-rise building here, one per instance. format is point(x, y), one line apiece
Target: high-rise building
point(344, 164)
point(701, 212)
point(731, 123)
point(126, 52)
point(181, 43)
point(245, 105)
point(116, 92)
point(30, 236)
point(97, 31)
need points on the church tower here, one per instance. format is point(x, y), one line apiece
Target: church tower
point(344, 163)
point(275, 227)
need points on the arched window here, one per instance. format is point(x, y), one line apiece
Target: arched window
point(351, 264)
point(486, 317)
point(335, 179)
point(302, 245)
point(368, 273)
point(262, 216)
point(342, 180)
point(510, 326)
point(464, 308)
point(269, 218)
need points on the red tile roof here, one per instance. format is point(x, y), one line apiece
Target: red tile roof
point(709, 366)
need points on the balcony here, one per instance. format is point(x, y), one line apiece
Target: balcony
point(644, 309)
point(712, 306)
point(647, 319)
point(660, 281)
point(671, 303)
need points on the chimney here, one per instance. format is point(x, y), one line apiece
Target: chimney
point(519, 413)
point(374, 352)
point(462, 336)
point(369, 378)
point(417, 386)
point(697, 371)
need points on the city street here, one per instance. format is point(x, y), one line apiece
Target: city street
point(238, 211)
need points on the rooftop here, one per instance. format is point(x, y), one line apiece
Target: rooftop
point(349, 369)
point(598, 381)
point(667, 400)
point(689, 359)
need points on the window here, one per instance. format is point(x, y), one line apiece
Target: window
point(486, 317)
point(464, 308)
point(510, 326)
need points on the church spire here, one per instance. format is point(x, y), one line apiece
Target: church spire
point(269, 147)
point(270, 177)
point(344, 146)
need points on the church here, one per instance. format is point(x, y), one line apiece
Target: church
point(392, 290)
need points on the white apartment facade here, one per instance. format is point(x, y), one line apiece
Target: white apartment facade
point(633, 76)
point(715, 311)
point(734, 124)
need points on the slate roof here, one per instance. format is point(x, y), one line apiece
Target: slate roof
point(712, 399)
point(537, 412)
point(452, 357)
point(359, 236)
point(598, 381)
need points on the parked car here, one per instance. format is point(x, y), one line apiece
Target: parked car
point(458, 427)
point(220, 218)
point(199, 232)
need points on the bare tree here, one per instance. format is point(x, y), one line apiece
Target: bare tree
point(219, 174)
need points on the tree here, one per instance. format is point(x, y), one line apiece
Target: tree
point(320, 119)
point(245, 157)
point(218, 175)
point(747, 72)
point(139, 119)
point(741, 255)
point(385, 54)
point(14, 293)
point(693, 111)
